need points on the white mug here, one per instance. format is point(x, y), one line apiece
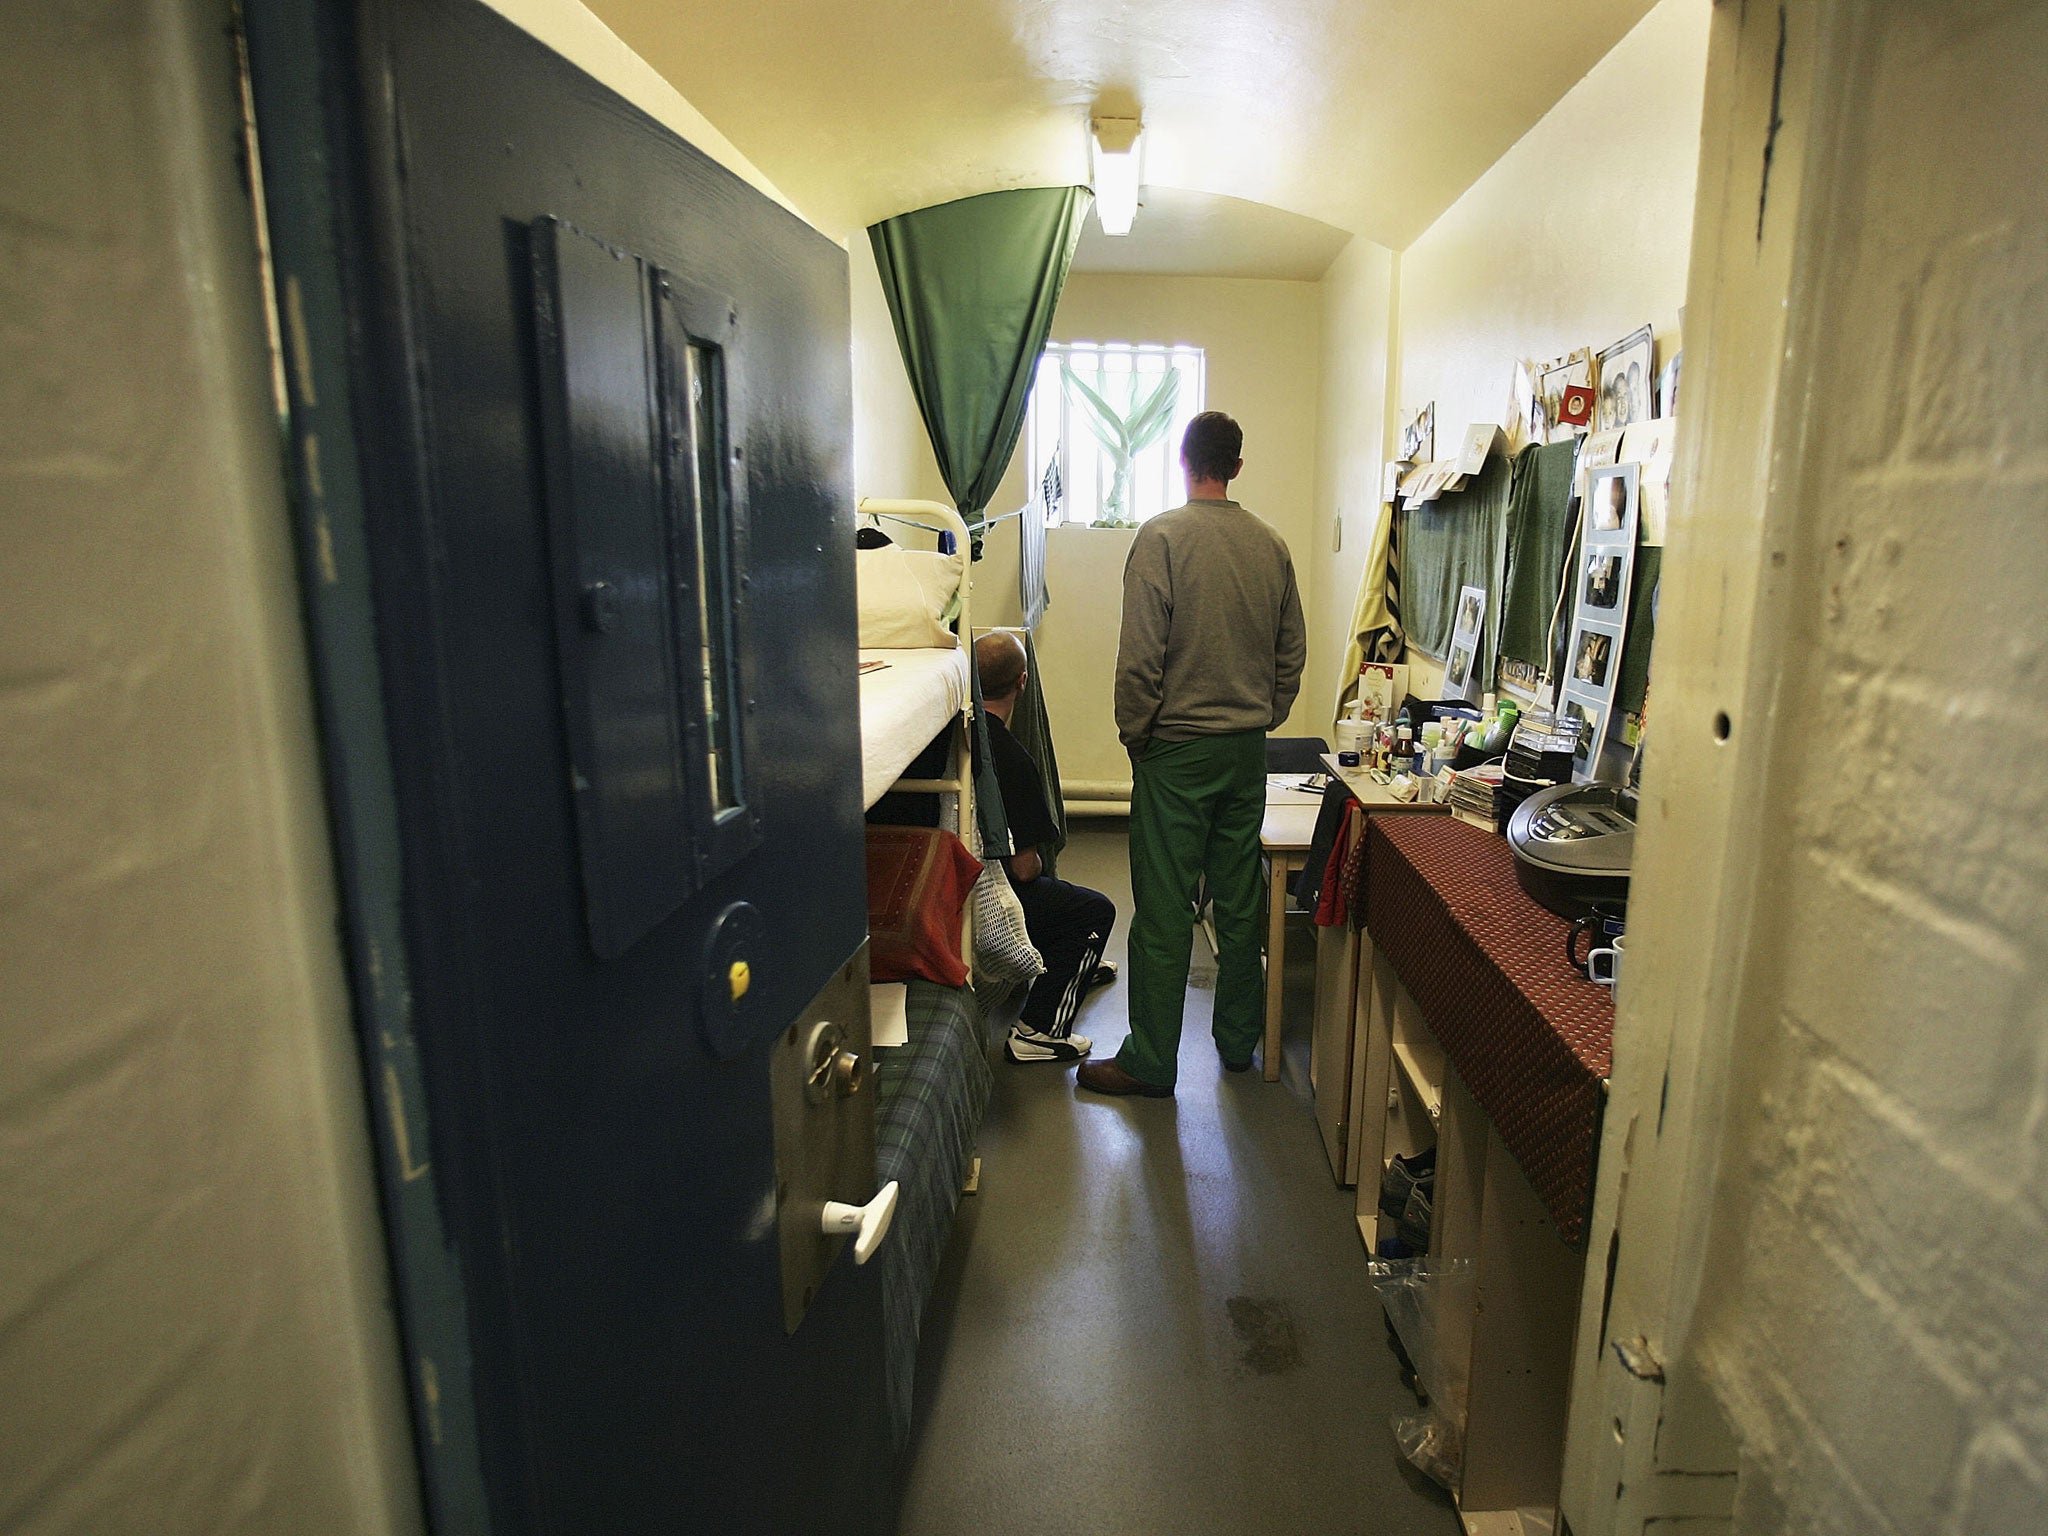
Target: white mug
point(1608, 960)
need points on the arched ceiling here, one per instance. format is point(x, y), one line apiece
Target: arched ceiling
point(1371, 116)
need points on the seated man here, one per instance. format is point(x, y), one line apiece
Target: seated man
point(1068, 924)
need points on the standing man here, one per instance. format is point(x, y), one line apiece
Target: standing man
point(1069, 924)
point(1209, 662)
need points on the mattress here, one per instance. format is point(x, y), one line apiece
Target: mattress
point(929, 1098)
point(903, 705)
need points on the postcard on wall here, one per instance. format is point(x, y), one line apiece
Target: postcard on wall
point(1461, 671)
point(1597, 450)
point(1382, 686)
point(1525, 423)
point(1418, 437)
point(1627, 381)
point(1480, 441)
point(1650, 445)
point(1552, 379)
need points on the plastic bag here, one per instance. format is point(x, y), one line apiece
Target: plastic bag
point(1418, 1295)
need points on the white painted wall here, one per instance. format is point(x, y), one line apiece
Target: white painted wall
point(1352, 443)
point(1876, 1299)
point(1575, 237)
point(1263, 344)
point(892, 453)
point(195, 1329)
point(196, 1336)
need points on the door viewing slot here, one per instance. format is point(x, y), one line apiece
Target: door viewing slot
point(697, 331)
point(645, 533)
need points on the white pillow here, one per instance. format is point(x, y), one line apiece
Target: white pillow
point(904, 597)
point(1003, 950)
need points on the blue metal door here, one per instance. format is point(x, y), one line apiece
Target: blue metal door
point(580, 582)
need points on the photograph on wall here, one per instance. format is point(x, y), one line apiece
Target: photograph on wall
point(1418, 437)
point(1603, 582)
point(1626, 381)
point(1466, 628)
point(1592, 657)
point(1667, 386)
point(1611, 507)
point(1551, 382)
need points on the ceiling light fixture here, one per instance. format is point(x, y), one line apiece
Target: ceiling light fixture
point(1114, 152)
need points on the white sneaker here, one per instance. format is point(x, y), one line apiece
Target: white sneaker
point(1024, 1045)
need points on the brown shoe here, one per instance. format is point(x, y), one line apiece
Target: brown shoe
point(1107, 1077)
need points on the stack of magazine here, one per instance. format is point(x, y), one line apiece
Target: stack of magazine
point(1472, 794)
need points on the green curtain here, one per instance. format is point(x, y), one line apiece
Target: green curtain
point(1539, 530)
point(972, 286)
point(1456, 541)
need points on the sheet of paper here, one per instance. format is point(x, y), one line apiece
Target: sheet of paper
point(1478, 444)
point(1596, 451)
point(889, 1013)
point(1651, 444)
point(1390, 480)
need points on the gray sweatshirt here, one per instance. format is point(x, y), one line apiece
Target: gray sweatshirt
point(1213, 640)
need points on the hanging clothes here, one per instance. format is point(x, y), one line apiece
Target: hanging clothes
point(1539, 537)
point(1456, 541)
point(1032, 728)
point(1376, 633)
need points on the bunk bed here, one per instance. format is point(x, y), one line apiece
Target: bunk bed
point(916, 720)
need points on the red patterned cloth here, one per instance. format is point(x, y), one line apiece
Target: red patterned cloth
point(1333, 907)
point(1530, 1037)
point(918, 881)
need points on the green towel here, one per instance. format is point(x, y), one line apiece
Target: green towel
point(1539, 528)
point(1449, 544)
point(1632, 686)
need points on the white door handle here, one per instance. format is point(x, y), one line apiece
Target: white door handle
point(868, 1223)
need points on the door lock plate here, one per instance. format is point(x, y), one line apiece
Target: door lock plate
point(824, 1128)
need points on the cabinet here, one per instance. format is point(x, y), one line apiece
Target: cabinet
point(1514, 1325)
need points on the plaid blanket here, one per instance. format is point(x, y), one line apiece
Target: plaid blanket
point(930, 1097)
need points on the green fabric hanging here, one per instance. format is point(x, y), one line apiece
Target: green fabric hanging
point(1032, 727)
point(1456, 541)
point(972, 286)
point(1632, 685)
point(1539, 529)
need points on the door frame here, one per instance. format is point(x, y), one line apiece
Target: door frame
point(1647, 1440)
point(301, 100)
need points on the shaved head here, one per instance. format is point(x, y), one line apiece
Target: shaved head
point(999, 660)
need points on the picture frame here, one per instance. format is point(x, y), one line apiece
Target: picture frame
point(1589, 718)
point(1627, 381)
point(1461, 679)
point(1551, 381)
point(1613, 506)
point(1593, 660)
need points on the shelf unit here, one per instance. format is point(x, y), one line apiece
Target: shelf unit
point(1517, 1331)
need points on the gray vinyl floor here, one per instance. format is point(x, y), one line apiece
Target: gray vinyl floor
point(1154, 1316)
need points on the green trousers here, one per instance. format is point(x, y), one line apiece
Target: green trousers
point(1196, 807)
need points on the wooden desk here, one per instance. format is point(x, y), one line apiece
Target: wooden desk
point(1284, 836)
